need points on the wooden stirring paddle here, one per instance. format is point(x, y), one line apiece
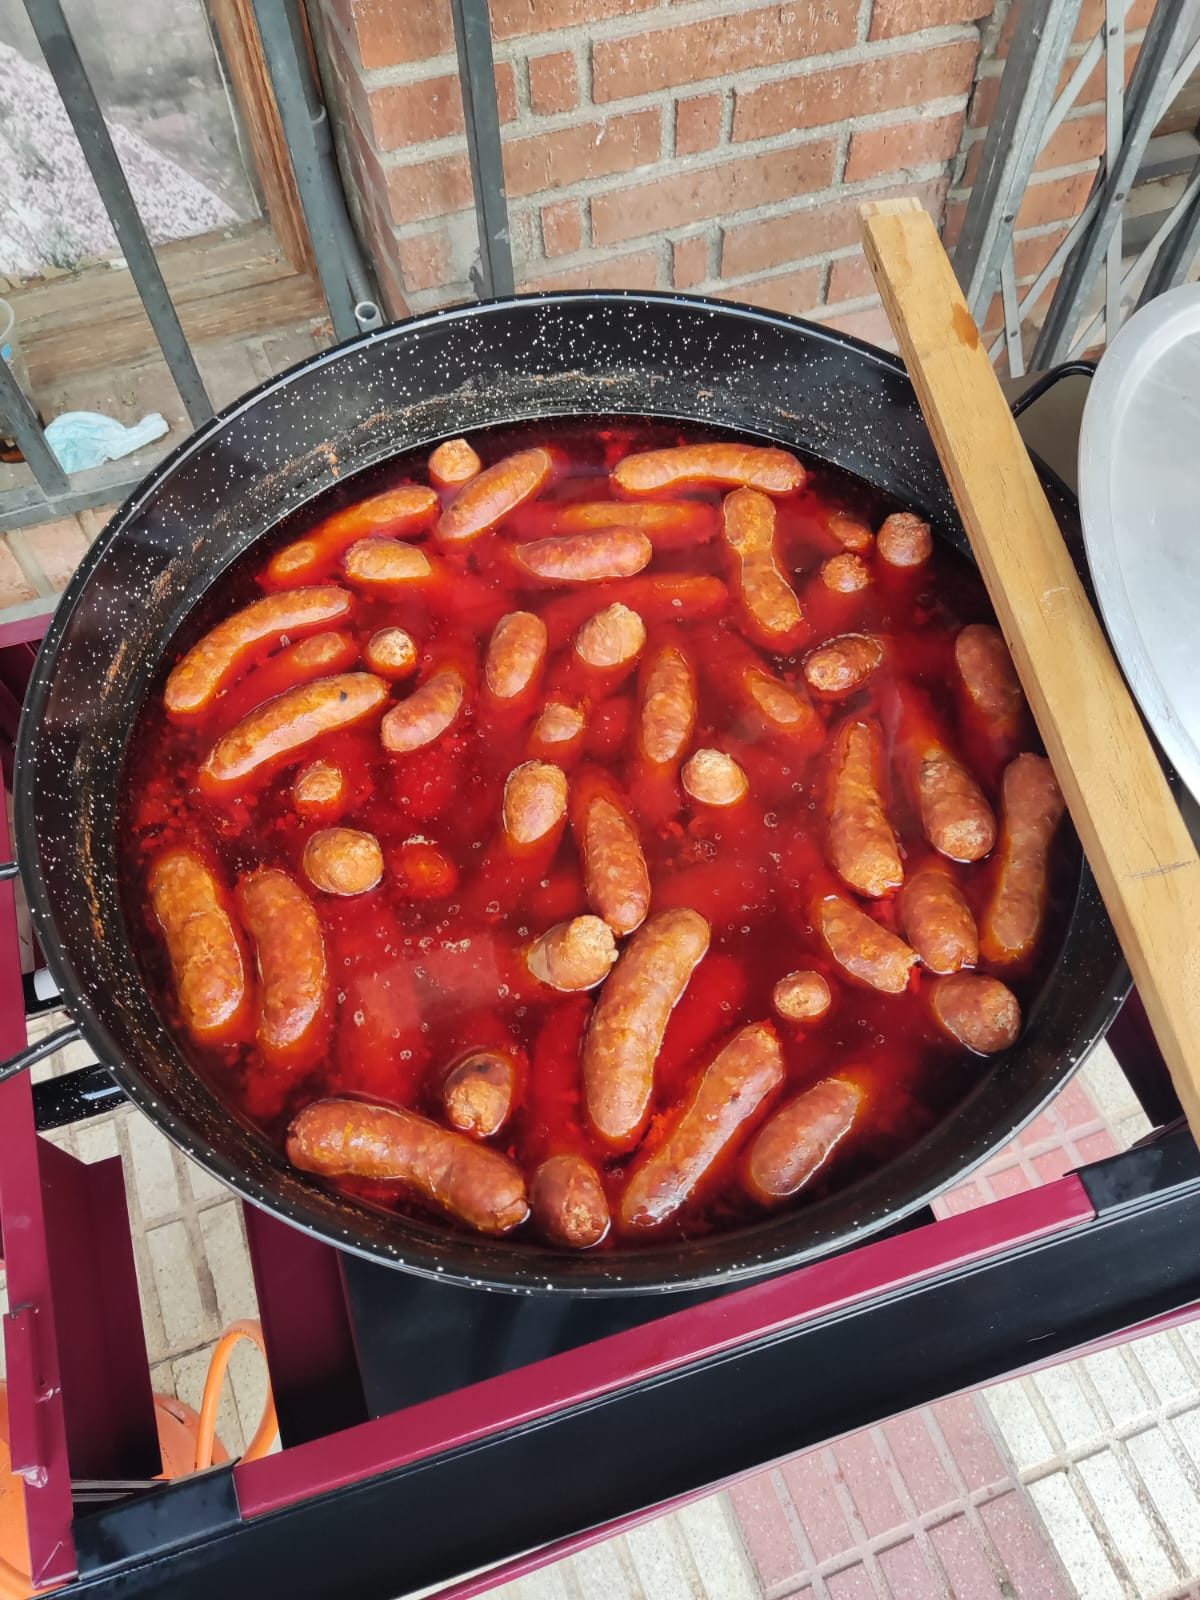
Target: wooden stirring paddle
point(1136, 842)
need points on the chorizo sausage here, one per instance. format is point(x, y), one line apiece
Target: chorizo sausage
point(802, 997)
point(429, 712)
point(573, 955)
point(319, 656)
point(614, 637)
point(558, 731)
point(688, 597)
point(319, 790)
point(614, 868)
point(728, 1095)
point(454, 463)
point(534, 809)
point(862, 947)
point(293, 977)
point(990, 680)
point(196, 681)
point(797, 1142)
point(569, 1203)
point(386, 566)
point(516, 654)
point(714, 779)
point(1031, 810)
point(584, 557)
point(203, 944)
point(841, 666)
point(937, 920)
point(478, 1093)
point(980, 1012)
point(782, 709)
point(736, 465)
point(862, 847)
point(392, 653)
point(955, 815)
point(904, 540)
point(274, 732)
point(493, 495)
point(851, 532)
point(343, 861)
point(676, 525)
point(397, 513)
point(351, 1139)
point(423, 872)
point(667, 714)
point(626, 1029)
point(845, 574)
point(773, 609)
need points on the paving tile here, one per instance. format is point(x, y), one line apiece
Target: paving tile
point(964, 1561)
point(1129, 1528)
point(600, 1570)
point(1173, 1495)
point(865, 1475)
point(203, 1185)
point(1010, 1180)
point(1187, 1427)
point(1020, 1428)
point(1117, 1387)
point(1052, 1164)
point(907, 1574)
point(852, 1584)
point(970, 1443)
point(1070, 1410)
point(153, 1169)
point(916, 1458)
point(717, 1550)
point(1033, 1569)
point(96, 1141)
point(1159, 1359)
point(229, 1261)
point(810, 1484)
point(1074, 1107)
point(1096, 1146)
point(185, 1319)
point(766, 1530)
point(191, 1372)
point(661, 1562)
point(1075, 1539)
point(1107, 1085)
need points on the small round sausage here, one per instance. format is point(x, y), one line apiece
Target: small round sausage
point(904, 540)
point(319, 790)
point(573, 955)
point(392, 653)
point(452, 464)
point(535, 802)
point(938, 922)
point(343, 861)
point(850, 531)
point(714, 778)
point(516, 652)
point(799, 1139)
point(385, 565)
point(802, 997)
point(846, 573)
point(843, 665)
point(569, 1204)
point(478, 1093)
point(558, 723)
point(611, 638)
point(980, 1012)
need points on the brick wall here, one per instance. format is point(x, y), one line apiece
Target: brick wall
point(707, 145)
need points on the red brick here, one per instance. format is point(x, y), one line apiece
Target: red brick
point(810, 230)
point(388, 34)
point(425, 259)
point(915, 1454)
point(1073, 1107)
point(1093, 86)
point(969, 1442)
point(952, 222)
point(691, 52)
point(57, 547)
point(795, 292)
point(1077, 139)
point(691, 196)
point(698, 123)
point(553, 83)
point(689, 261)
point(885, 84)
point(513, 17)
point(562, 228)
point(638, 270)
point(974, 162)
point(963, 1560)
point(866, 1478)
point(907, 1573)
point(1032, 1566)
point(891, 17)
point(850, 278)
point(429, 188)
point(413, 113)
point(506, 90)
point(810, 1483)
point(871, 325)
point(15, 587)
point(1092, 13)
point(1009, 1181)
point(766, 1531)
point(926, 142)
point(1053, 200)
point(983, 102)
point(590, 150)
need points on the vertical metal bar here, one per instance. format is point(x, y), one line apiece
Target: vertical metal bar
point(1175, 258)
point(1114, 127)
point(1167, 36)
point(1012, 316)
point(281, 50)
point(21, 421)
point(87, 119)
point(1031, 75)
point(477, 74)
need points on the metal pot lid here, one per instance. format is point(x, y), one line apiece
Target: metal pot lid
point(1139, 495)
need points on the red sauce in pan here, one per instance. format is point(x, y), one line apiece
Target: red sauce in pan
point(419, 982)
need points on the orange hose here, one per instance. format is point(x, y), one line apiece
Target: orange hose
point(268, 1427)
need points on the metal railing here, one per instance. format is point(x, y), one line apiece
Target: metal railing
point(343, 276)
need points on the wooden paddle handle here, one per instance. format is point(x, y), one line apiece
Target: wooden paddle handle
point(1134, 836)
